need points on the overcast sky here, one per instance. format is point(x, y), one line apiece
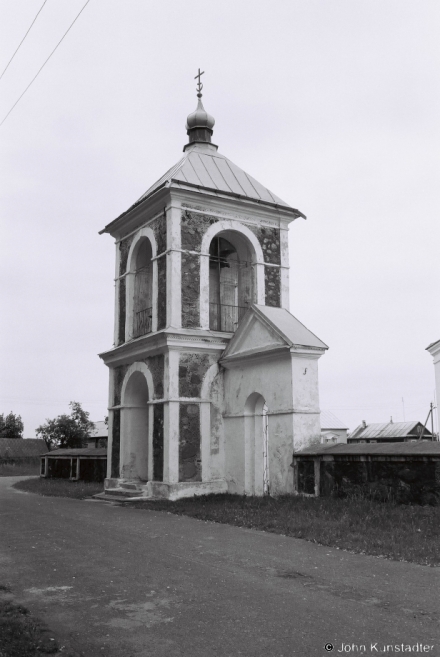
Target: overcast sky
point(332, 104)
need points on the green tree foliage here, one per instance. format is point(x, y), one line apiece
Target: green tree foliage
point(67, 431)
point(11, 426)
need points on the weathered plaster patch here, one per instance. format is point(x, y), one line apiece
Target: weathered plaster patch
point(190, 290)
point(157, 367)
point(272, 279)
point(269, 239)
point(192, 369)
point(190, 467)
point(161, 293)
point(124, 248)
point(158, 442)
point(193, 227)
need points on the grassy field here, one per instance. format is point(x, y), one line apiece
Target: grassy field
point(399, 532)
point(60, 488)
point(23, 469)
point(22, 635)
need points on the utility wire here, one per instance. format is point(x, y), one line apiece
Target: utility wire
point(43, 65)
point(18, 47)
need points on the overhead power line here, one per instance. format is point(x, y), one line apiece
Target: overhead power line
point(44, 64)
point(18, 47)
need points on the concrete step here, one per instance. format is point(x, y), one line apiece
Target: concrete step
point(120, 492)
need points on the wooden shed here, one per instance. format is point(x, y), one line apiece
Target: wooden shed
point(87, 463)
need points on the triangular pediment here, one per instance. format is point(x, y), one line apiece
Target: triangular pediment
point(264, 330)
point(252, 336)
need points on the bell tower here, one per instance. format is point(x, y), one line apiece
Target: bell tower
point(203, 252)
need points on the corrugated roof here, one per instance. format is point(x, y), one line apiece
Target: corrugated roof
point(202, 167)
point(83, 451)
point(21, 447)
point(291, 328)
point(423, 448)
point(330, 421)
point(380, 430)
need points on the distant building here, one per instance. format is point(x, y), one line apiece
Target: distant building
point(333, 430)
point(389, 432)
point(434, 350)
point(99, 436)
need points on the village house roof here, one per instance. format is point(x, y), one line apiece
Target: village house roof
point(100, 430)
point(330, 421)
point(422, 448)
point(387, 430)
point(21, 447)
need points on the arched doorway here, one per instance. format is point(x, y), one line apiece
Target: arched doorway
point(231, 280)
point(257, 446)
point(143, 289)
point(135, 429)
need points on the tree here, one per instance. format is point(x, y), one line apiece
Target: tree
point(11, 426)
point(67, 431)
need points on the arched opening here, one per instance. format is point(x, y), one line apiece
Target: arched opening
point(257, 461)
point(231, 280)
point(134, 428)
point(143, 289)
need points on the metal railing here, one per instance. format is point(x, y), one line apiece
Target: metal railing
point(142, 322)
point(225, 318)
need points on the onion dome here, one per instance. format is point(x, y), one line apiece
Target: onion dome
point(199, 124)
point(200, 118)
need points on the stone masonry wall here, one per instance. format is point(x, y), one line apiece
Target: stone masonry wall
point(116, 443)
point(272, 278)
point(190, 467)
point(190, 290)
point(161, 293)
point(192, 370)
point(407, 481)
point(158, 440)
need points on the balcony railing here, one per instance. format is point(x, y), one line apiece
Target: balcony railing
point(225, 318)
point(142, 322)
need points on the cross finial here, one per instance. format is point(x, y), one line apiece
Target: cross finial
point(199, 84)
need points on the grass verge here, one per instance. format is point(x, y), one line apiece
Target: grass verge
point(19, 469)
point(60, 487)
point(399, 532)
point(21, 634)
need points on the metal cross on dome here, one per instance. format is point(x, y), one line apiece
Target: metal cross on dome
point(199, 84)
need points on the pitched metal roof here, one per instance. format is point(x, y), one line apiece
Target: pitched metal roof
point(422, 448)
point(203, 168)
point(82, 451)
point(330, 421)
point(387, 430)
point(21, 447)
point(291, 329)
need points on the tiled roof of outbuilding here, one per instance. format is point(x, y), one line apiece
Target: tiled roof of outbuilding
point(424, 447)
point(81, 451)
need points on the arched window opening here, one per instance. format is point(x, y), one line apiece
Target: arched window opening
point(230, 284)
point(143, 290)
